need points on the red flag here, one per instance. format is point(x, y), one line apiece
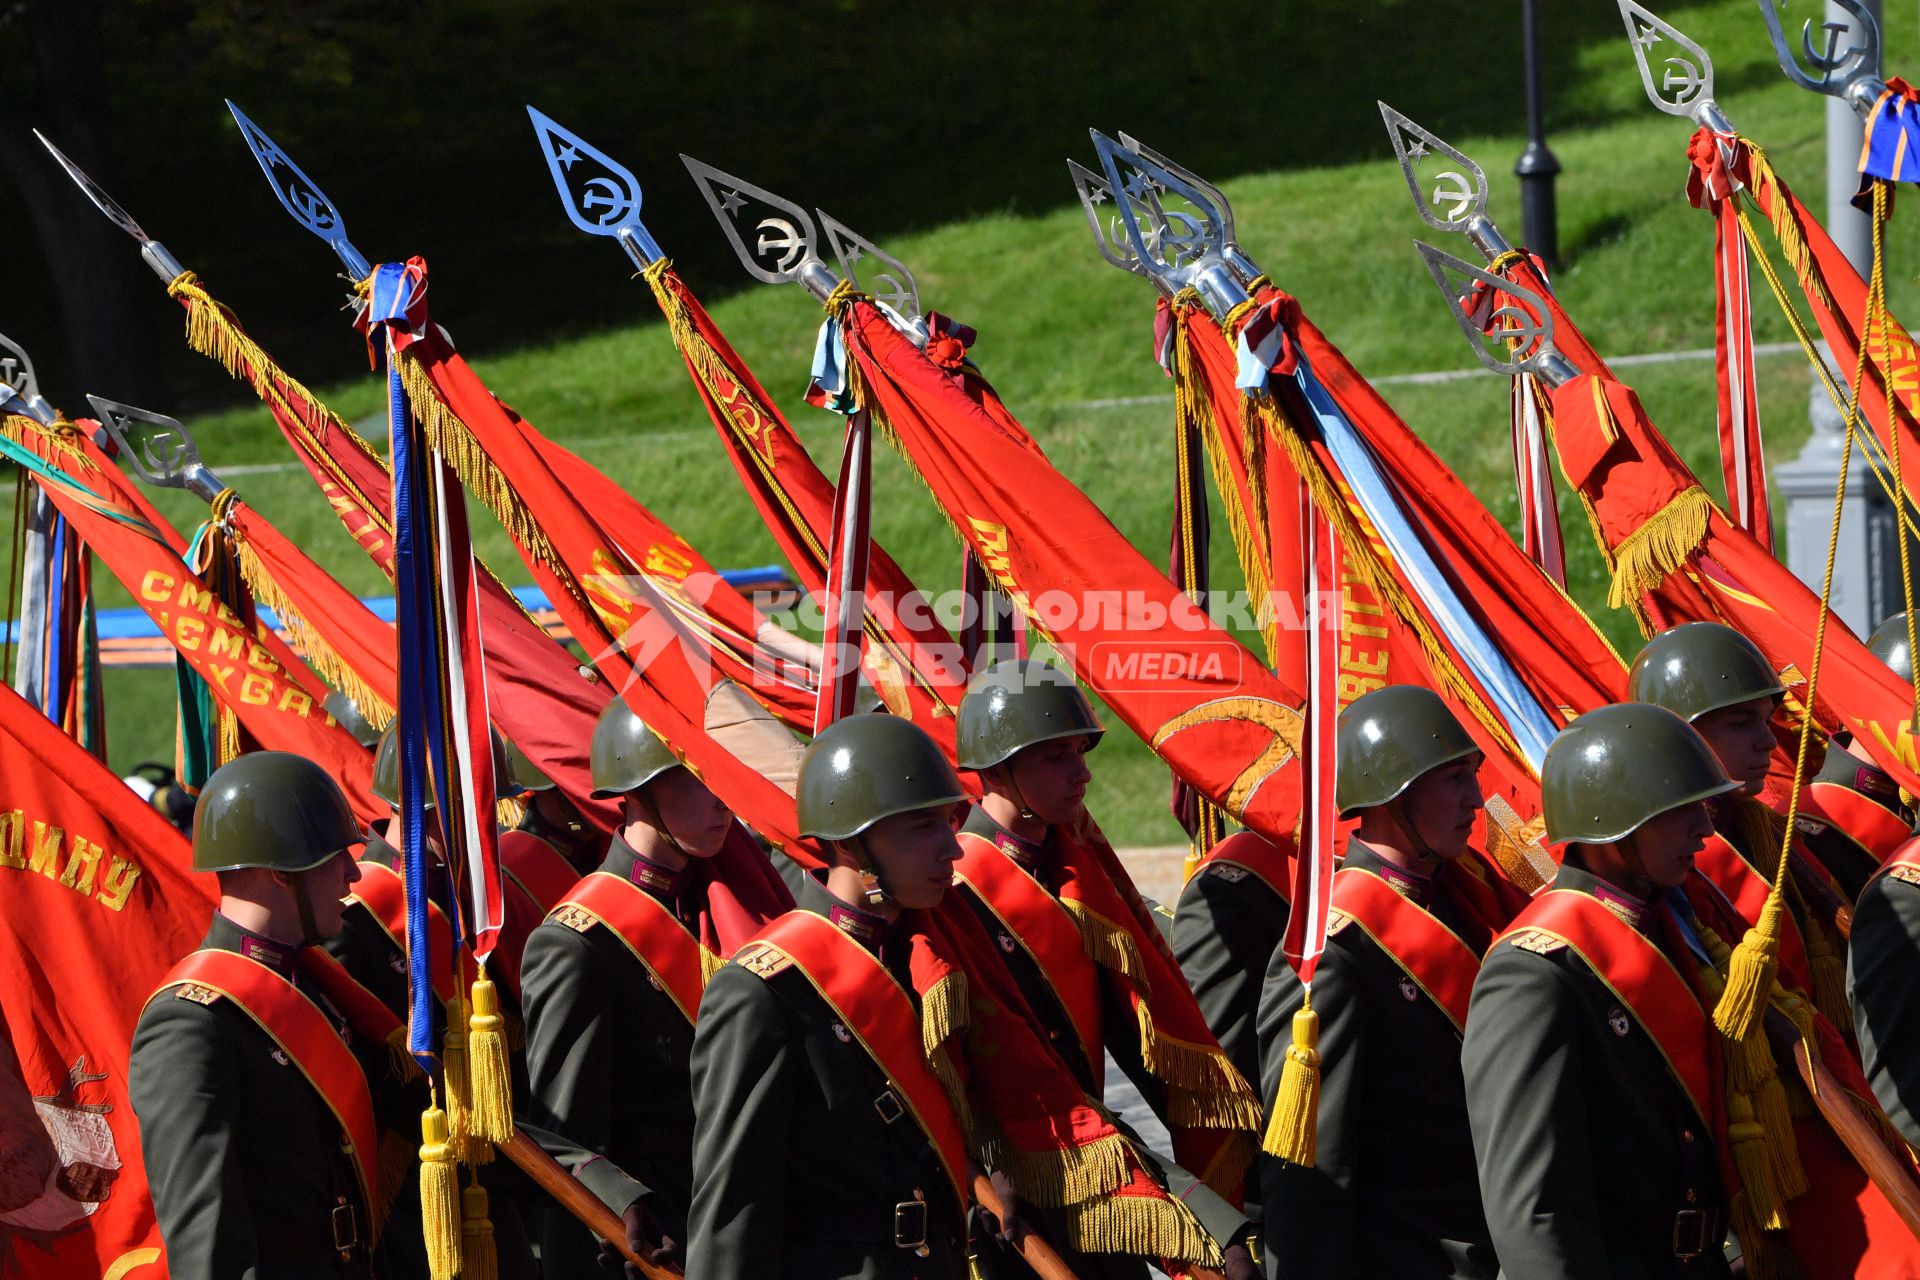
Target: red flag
point(99, 904)
point(548, 703)
point(1196, 695)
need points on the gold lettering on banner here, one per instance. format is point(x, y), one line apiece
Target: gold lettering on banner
point(991, 547)
point(1363, 637)
point(740, 408)
point(201, 624)
point(37, 847)
point(1282, 723)
point(667, 559)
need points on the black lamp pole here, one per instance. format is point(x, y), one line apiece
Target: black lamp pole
point(1537, 165)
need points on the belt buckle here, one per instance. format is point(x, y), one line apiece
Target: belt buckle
point(889, 1107)
point(346, 1228)
point(910, 1224)
point(1689, 1234)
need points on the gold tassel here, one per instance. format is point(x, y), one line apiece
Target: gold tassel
point(1750, 974)
point(1753, 1073)
point(1291, 1133)
point(490, 1077)
point(477, 1257)
point(439, 1195)
point(1748, 1143)
point(1829, 972)
point(459, 1082)
point(1646, 557)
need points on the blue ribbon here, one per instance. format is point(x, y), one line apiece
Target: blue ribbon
point(1532, 728)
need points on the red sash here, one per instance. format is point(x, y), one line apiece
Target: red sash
point(642, 922)
point(1037, 920)
point(384, 894)
point(538, 869)
point(1640, 975)
point(1269, 863)
point(1747, 890)
point(875, 1009)
point(1861, 819)
point(306, 1035)
point(1430, 953)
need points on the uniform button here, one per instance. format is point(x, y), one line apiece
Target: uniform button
point(1686, 1135)
point(1692, 1195)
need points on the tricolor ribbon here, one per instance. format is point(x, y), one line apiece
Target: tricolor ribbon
point(1312, 888)
point(1892, 130)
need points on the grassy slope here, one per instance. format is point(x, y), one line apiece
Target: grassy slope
point(1057, 328)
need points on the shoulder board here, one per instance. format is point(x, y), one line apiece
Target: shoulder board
point(573, 916)
point(762, 959)
point(1336, 921)
point(1809, 826)
point(1228, 872)
point(195, 992)
point(1904, 872)
point(1534, 940)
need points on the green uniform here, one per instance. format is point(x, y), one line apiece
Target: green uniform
point(607, 1055)
point(1393, 1190)
point(1883, 981)
point(1226, 927)
point(243, 1154)
point(364, 948)
point(801, 1150)
point(1592, 1162)
point(1850, 864)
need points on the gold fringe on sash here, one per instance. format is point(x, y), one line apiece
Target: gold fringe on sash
point(1646, 557)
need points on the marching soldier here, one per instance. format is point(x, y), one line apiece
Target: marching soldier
point(613, 978)
point(1081, 944)
point(1852, 813)
point(1393, 1189)
point(1883, 973)
point(550, 818)
point(1229, 919)
point(1718, 681)
point(824, 1146)
point(1589, 1058)
point(260, 1069)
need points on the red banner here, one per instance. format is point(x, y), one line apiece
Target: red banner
point(547, 705)
point(99, 904)
point(1180, 681)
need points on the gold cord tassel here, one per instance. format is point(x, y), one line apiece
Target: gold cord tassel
point(478, 1260)
point(1291, 1133)
point(1748, 1142)
point(1829, 972)
point(439, 1195)
point(1750, 973)
point(491, 1119)
point(459, 1084)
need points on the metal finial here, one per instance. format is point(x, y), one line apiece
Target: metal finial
point(299, 195)
point(1686, 72)
point(1515, 338)
point(600, 194)
point(1850, 73)
point(1108, 234)
point(784, 240)
point(166, 456)
point(16, 371)
point(888, 279)
point(1458, 193)
point(1177, 248)
point(164, 264)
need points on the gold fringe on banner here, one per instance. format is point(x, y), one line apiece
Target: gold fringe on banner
point(313, 646)
point(1072, 1175)
point(1149, 1226)
point(1650, 554)
point(711, 962)
point(943, 1015)
point(1786, 226)
point(59, 439)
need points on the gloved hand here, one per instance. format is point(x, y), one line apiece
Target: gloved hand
point(645, 1238)
point(1009, 1227)
point(1238, 1264)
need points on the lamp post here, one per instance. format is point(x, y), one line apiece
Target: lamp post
point(1537, 165)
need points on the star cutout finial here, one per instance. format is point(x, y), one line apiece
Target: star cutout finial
point(731, 202)
point(568, 157)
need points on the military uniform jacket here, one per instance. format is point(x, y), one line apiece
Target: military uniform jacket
point(1393, 1191)
point(243, 1154)
point(1883, 981)
point(365, 949)
point(607, 1059)
point(804, 1163)
point(1588, 1148)
point(1226, 928)
point(1852, 817)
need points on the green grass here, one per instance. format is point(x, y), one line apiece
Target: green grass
point(1057, 328)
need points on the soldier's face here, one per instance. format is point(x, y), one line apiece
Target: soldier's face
point(1667, 843)
point(1050, 779)
point(1440, 806)
point(1742, 736)
point(326, 887)
point(914, 854)
point(693, 816)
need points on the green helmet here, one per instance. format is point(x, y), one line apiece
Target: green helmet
point(1889, 644)
point(271, 809)
point(386, 769)
point(1015, 704)
point(526, 775)
point(1699, 667)
point(1614, 768)
point(626, 754)
point(861, 769)
point(341, 708)
point(1388, 738)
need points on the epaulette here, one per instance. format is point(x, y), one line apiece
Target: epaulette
point(574, 916)
point(1537, 941)
point(1336, 921)
point(762, 959)
point(1904, 872)
point(195, 992)
point(1228, 872)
